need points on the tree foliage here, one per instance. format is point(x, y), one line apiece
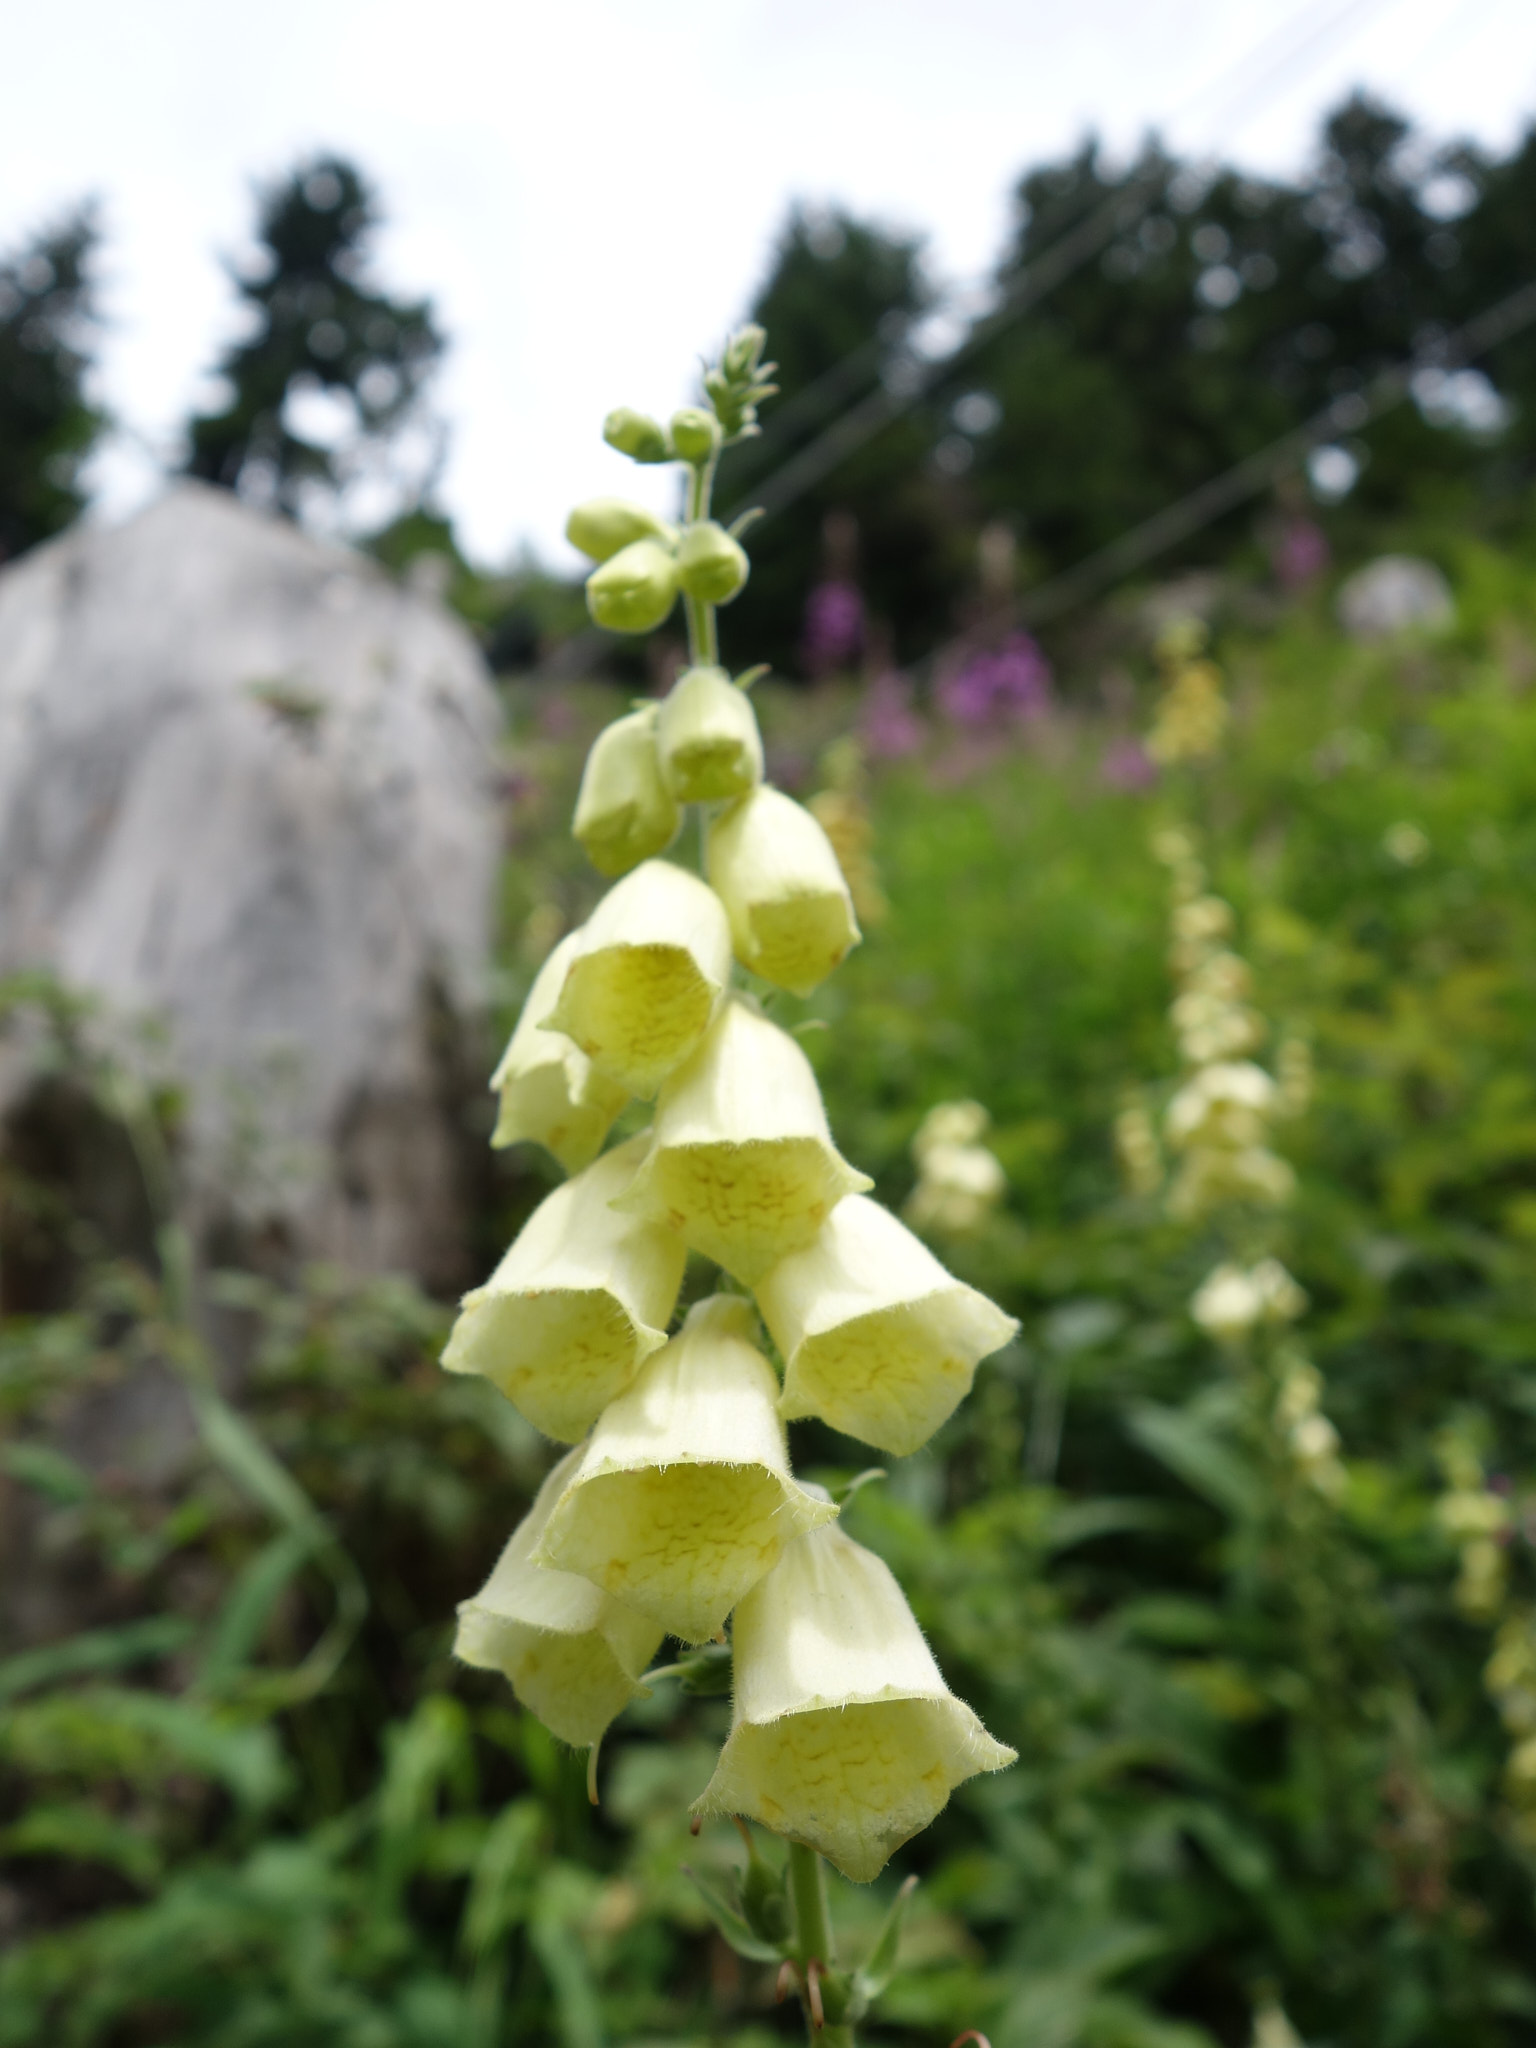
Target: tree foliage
point(333, 367)
point(48, 426)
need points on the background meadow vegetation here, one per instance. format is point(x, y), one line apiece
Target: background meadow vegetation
point(250, 1801)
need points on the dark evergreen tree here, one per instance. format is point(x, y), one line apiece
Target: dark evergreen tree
point(839, 298)
point(1227, 311)
point(319, 328)
point(47, 425)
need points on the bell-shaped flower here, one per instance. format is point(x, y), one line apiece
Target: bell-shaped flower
point(624, 811)
point(843, 1735)
point(581, 1299)
point(643, 984)
point(550, 1092)
point(602, 526)
point(633, 591)
point(711, 563)
point(711, 750)
point(742, 1162)
point(571, 1654)
point(683, 1498)
point(877, 1339)
point(1228, 1101)
point(774, 869)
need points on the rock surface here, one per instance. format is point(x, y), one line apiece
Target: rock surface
point(247, 797)
point(1394, 594)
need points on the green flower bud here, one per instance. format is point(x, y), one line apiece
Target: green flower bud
point(708, 739)
point(710, 564)
point(602, 526)
point(624, 811)
point(635, 589)
point(695, 433)
point(636, 435)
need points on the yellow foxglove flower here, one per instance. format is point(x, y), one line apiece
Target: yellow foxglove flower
point(581, 1299)
point(683, 1498)
point(877, 1339)
point(844, 1734)
point(602, 526)
point(653, 962)
point(711, 564)
point(774, 869)
point(633, 591)
point(711, 749)
point(742, 1161)
point(624, 811)
point(550, 1092)
point(570, 1653)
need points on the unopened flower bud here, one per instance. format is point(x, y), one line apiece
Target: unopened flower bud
point(877, 1339)
point(710, 565)
point(648, 973)
point(624, 810)
point(695, 433)
point(636, 435)
point(773, 868)
point(683, 1498)
point(571, 1654)
point(843, 1732)
point(635, 589)
point(583, 1297)
point(708, 739)
point(602, 526)
point(742, 1162)
point(550, 1092)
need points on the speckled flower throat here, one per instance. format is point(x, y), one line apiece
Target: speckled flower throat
point(675, 1512)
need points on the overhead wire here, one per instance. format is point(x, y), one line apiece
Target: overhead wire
point(1350, 413)
point(908, 379)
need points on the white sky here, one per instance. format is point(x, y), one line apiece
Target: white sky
point(588, 189)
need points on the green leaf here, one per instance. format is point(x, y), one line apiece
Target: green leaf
point(97, 1650)
point(880, 1966)
point(49, 1471)
point(243, 1617)
point(731, 1924)
point(1191, 1451)
point(84, 1834)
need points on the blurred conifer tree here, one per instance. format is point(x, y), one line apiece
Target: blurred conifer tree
point(332, 369)
point(47, 425)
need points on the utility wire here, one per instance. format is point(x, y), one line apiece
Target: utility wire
point(1347, 414)
point(908, 379)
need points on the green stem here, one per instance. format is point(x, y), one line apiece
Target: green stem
point(812, 1936)
point(703, 642)
point(808, 1906)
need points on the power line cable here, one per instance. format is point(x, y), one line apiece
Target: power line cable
point(842, 378)
point(1351, 412)
point(908, 379)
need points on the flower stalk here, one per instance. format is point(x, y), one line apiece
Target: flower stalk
point(676, 1512)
